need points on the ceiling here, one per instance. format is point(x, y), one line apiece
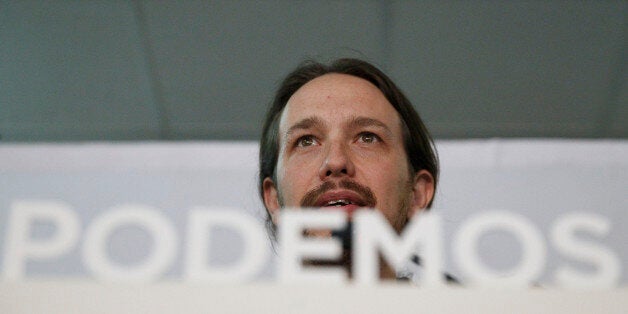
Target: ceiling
point(206, 70)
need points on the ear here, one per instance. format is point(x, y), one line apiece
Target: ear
point(271, 201)
point(422, 192)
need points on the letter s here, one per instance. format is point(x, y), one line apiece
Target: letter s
point(605, 260)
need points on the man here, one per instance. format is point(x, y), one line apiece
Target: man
point(341, 137)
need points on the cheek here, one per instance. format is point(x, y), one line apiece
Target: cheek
point(391, 181)
point(298, 176)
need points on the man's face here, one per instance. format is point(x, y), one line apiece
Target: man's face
point(341, 148)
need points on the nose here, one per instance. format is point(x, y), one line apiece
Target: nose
point(337, 162)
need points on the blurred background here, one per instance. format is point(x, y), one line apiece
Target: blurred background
point(182, 70)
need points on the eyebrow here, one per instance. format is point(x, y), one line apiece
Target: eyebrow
point(305, 124)
point(364, 122)
point(356, 122)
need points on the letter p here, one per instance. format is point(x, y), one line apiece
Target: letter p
point(19, 245)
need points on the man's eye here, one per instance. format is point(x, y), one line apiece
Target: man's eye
point(307, 140)
point(368, 137)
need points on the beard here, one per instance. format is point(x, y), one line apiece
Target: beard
point(398, 221)
point(345, 235)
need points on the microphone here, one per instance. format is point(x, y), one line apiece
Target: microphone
point(345, 235)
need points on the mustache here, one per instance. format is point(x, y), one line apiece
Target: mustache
point(310, 198)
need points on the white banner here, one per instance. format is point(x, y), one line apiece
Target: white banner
point(137, 211)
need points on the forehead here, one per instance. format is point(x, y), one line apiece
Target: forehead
point(337, 97)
